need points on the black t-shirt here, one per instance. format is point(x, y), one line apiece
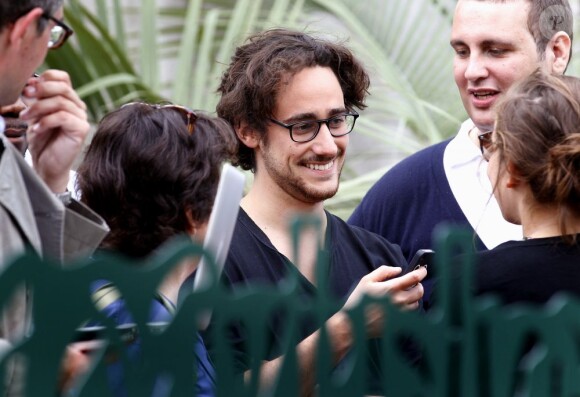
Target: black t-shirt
point(253, 260)
point(530, 270)
point(526, 271)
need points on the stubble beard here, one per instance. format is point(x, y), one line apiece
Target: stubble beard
point(294, 185)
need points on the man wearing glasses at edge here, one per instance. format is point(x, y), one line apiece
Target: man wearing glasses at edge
point(290, 98)
point(36, 211)
point(496, 43)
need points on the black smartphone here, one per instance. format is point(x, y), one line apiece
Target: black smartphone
point(423, 257)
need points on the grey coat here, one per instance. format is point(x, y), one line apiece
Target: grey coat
point(30, 215)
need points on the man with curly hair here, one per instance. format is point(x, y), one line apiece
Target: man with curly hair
point(292, 100)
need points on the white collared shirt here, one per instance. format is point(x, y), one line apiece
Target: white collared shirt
point(462, 161)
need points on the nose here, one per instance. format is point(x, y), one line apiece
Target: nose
point(325, 144)
point(476, 68)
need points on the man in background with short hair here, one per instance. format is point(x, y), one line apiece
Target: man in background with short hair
point(496, 43)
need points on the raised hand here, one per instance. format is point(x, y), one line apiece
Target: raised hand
point(58, 126)
point(405, 291)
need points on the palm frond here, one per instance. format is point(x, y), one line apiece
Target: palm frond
point(406, 46)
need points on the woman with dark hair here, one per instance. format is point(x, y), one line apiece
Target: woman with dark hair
point(152, 178)
point(151, 171)
point(534, 166)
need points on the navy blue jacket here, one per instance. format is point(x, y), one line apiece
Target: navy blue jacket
point(409, 201)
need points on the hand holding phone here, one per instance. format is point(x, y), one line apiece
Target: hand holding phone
point(422, 258)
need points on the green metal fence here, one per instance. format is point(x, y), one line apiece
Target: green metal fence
point(470, 347)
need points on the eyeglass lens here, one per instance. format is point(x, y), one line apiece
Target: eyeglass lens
point(57, 34)
point(338, 126)
point(485, 144)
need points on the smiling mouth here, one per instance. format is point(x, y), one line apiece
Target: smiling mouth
point(484, 94)
point(320, 167)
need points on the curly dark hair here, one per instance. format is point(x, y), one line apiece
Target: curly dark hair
point(11, 10)
point(250, 85)
point(144, 173)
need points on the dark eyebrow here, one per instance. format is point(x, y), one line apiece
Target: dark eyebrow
point(311, 116)
point(494, 43)
point(455, 43)
point(483, 44)
point(334, 112)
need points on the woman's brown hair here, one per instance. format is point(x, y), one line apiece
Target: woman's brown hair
point(538, 131)
point(148, 176)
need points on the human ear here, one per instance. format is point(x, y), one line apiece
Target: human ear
point(22, 26)
point(513, 176)
point(558, 52)
point(195, 229)
point(247, 135)
point(191, 225)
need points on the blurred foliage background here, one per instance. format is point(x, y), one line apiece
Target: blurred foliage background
point(176, 50)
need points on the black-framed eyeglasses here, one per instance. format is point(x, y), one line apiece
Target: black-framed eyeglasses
point(188, 115)
point(486, 144)
point(305, 131)
point(59, 33)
